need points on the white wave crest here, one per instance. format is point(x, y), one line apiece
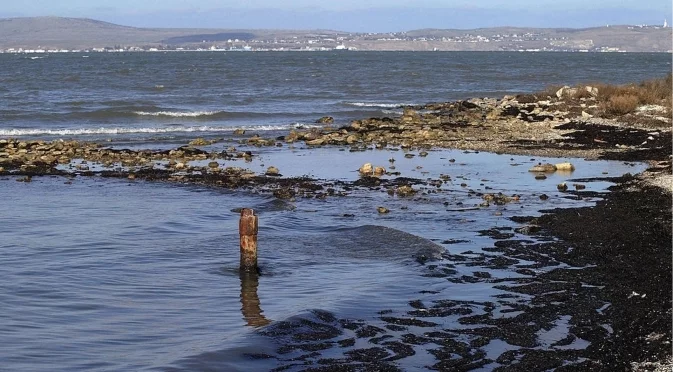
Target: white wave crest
point(392, 112)
point(378, 104)
point(122, 130)
point(178, 114)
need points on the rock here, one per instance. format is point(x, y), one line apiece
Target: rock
point(352, 139)
point(586, 115)
point(180, 165)
point(379, 171)
point(383, 210)
point(565, 167)
point(239, 132)
point(544, 197)
point(213, 164)
point(199, 142)
point(540, 177)
point(131, 176)
point(325, 120)
point(315, 142)
point(566, 91)
point(579, 186)
point(563, 187)
point(423, 154)
point(543, 168)
point(592, 90)
point(272, 171)
point(2, 169)
point(405, 190)
point(366, 169)
point(284, 193)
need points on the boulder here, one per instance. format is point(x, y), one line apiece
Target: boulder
point(565, 167)
point(366, 169)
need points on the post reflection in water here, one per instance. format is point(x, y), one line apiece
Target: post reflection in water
point(250, 305)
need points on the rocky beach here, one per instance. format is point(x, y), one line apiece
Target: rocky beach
point(601, 273)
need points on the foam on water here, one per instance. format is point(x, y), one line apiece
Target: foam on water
point(179, 114)
point(378, 104)
point(131, 130)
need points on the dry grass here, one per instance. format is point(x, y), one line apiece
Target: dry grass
point(614, 100)
point(623, 99)
point(621, 104)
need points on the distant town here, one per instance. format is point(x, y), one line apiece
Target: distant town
point(85, 34)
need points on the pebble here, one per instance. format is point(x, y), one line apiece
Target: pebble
point(383, 210)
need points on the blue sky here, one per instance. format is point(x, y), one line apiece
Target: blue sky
point(351, 15)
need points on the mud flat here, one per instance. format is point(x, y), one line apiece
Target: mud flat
point(584, 288)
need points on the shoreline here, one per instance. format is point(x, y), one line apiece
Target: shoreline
point(622, 244)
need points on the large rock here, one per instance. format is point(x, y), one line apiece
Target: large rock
point(366, 169)
point(566, 91)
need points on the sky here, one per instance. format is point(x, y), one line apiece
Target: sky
point(350, 15)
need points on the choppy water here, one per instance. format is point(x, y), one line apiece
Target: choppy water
point(168, 95)
point(115, 275)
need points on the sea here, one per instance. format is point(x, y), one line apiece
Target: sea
point(120, 275)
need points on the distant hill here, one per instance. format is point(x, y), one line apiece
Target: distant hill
point(79, 33)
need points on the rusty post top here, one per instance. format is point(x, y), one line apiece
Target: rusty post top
point(247, 212)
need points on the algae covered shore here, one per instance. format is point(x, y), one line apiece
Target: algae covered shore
point(599, 275)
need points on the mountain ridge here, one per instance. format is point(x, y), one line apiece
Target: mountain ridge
point(81, 33)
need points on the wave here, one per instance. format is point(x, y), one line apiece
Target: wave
point(378, 104)
point(180, 114)
point(125, 130)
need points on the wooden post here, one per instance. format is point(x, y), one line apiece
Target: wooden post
point(247, 228)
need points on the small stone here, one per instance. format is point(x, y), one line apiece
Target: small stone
point(379, 171)
point(579, 186)
point(213, 164)
point(544, 197)
point(325, 120)
point(423, 154)
point(131, 176)
point(272, 171)
point(199, 142)
point(562, 187)
point(315, 142)
point(543, 168)
point(540, 177)
point(383, 210)
point(405, 190)
point(239, 132)
point(180, 165)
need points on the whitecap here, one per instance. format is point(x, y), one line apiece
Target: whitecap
point(178, 114)
point(378, 104)
point(130, 130)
